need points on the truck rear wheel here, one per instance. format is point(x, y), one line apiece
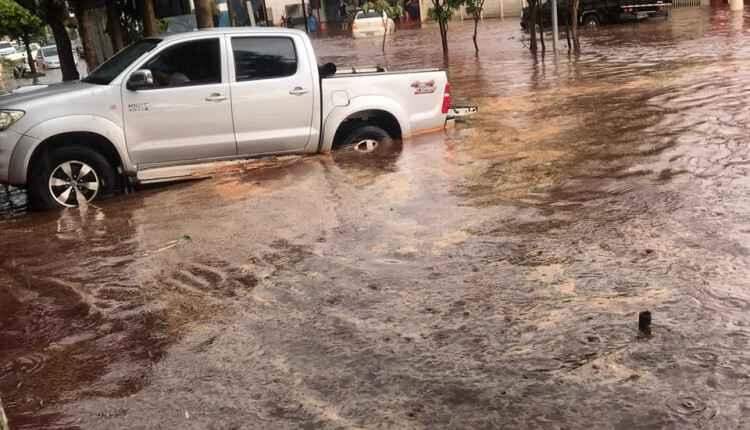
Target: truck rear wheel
point(368, 139)
point(69, 176)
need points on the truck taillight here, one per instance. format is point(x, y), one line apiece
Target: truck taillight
point(447, 98)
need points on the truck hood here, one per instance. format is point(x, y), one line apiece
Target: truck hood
point(23, 97)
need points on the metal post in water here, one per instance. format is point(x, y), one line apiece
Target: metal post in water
point(555, 29)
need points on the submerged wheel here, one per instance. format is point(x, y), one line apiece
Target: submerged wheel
point(368, 139)
point(591, 21)
point(69, 176)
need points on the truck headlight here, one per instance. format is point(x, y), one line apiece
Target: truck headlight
point(9, 117)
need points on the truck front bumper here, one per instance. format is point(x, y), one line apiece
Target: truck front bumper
point(8, 141)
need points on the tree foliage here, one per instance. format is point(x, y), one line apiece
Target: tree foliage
point(20, 24)
point(17, 22)
point(442, 11)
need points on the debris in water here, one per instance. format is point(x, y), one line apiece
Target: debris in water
point(644, 322)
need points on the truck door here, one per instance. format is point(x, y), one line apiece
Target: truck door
point(186, 114)
point(272, 94)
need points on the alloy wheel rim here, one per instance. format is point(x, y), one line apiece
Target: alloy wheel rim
point(366, 145)
point(72, 179)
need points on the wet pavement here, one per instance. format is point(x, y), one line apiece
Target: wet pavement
point(487, 277)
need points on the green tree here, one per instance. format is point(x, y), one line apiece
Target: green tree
point(57, 16)
point(388, 11)
point(18, 23)
point(442, 11)
point(475, 8)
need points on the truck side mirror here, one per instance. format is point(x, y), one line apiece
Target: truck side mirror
point(140, 79)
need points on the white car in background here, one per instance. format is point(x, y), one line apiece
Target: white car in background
point(47, 57)
point(6, 48)
point(20, 54)
point(371, 23)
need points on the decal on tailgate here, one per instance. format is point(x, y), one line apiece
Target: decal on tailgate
point(426, 87)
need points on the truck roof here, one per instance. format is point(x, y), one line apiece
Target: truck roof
point(230, 30)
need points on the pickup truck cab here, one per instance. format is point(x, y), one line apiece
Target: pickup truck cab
point(203, 96)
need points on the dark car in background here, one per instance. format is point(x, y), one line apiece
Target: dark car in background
point(592, 13)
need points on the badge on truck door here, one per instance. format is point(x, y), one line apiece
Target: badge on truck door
point(426, 87)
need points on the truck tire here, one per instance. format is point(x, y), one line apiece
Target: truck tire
point(367, 140)
point(69, 174)
point(591, 20)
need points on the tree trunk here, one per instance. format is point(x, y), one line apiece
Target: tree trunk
point(541, 29)
point(304, 16)
point(150, 23)
point(385, 34)
point(232, 14)
point(574, 26)
point(203, 14)
point(532, 26)
point(444, 36)
point(474, 38)
point(86, 31)
point(30, 58)
point(246, 14)
point(56, 14)
point(114, 26)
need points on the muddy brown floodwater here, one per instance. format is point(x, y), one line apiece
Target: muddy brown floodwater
point(487, 277)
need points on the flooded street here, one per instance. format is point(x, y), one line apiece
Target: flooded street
point(487, 277)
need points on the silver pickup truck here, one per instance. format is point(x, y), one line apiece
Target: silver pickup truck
point(203, 96)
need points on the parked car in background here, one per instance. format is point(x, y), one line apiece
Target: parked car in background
point(6, 48)
point(20, 54)
point(592, 13)
point(203, 96)
point(47, 57)
point(371, 23)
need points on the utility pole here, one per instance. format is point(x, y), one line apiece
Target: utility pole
point(555, 29)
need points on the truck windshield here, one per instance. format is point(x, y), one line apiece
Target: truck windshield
point(110, 69)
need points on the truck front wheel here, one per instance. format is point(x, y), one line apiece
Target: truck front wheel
point(69, 176)
point(368, 139)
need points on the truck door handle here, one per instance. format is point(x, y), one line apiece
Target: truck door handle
point(298, 91)
point(215, 97)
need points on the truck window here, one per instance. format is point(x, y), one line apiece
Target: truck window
point(196, 62)
point(263, 57)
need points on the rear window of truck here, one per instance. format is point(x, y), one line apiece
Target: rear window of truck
point(263, 58)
